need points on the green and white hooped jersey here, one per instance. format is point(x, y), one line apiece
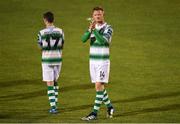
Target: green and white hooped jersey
point(51, 41)
point(100, 52)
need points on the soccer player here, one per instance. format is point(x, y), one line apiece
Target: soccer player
point(100, 34)
point(51, 41)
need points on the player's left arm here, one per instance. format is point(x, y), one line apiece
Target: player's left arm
point(107, 34)
point(106, 37)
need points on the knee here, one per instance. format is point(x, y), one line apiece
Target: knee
point(99, 86)
point(50, 83)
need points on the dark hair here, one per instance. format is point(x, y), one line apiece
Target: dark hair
point(97, 8)
point(49, 16)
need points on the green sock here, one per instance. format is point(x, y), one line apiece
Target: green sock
point(56, 88)
point(51, 95)
point(98, 101)
point(106, 100)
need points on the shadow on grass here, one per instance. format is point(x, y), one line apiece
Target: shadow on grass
point(88, 106)
point(148, 110)
point(76, 108)
point(7, 84)
point(27, 118)
point(4, 116)
point(21, 96)
point(20, 117)
point(148, 97)
point(135, 99)
point(24, 96)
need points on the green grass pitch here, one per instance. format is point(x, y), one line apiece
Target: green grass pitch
point(145, 61)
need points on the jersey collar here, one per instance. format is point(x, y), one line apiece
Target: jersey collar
point(98, 27)
point(51, 28)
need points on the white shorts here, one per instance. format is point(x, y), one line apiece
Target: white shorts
point(51, 72)
point(99, 72)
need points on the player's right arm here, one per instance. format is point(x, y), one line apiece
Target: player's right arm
point(86, 36)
